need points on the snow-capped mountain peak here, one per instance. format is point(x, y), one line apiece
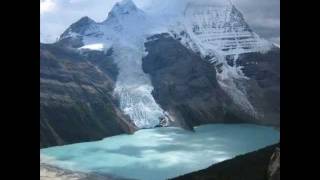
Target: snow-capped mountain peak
point(219, 26)
point(125, 7)
point(218, 30)
point(78, 28)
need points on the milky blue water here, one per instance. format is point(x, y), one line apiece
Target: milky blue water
point(157, 154)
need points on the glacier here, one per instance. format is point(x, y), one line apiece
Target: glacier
point(125, 31)
point(161, 153)
point(134, 88)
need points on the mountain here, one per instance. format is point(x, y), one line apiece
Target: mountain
point(76, 101)
point(138, 69)
point(188, 87)
point(247, 66)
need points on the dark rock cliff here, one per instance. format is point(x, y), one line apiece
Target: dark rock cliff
point(263, 86)
point(185, 85)
point(251, 166)
point(76, 102)
point(274, 165)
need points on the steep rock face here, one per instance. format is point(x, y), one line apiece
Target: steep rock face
point(76, 102)
point(263, 84)
point(185, 85)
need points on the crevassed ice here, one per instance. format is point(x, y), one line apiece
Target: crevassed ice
point(133, 87)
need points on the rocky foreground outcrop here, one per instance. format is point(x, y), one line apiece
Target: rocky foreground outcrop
point(251, 166)
point(48, 172)
point(274, 165)
point(52, 173)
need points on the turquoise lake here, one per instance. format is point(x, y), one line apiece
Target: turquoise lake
point(161, 153)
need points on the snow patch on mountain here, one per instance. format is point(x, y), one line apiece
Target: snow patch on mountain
point(95, 47)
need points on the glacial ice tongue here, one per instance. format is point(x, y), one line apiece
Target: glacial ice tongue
point(133, 88)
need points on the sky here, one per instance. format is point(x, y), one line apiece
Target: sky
point(263, 16)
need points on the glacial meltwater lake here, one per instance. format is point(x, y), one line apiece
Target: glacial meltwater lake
point(161, 153)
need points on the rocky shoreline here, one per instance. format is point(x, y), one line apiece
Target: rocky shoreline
point(49, 172)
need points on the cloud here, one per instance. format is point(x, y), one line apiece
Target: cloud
point(47, 6)
point(263, 16)
point(56, 15)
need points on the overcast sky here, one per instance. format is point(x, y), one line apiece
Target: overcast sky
point(56, 15)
